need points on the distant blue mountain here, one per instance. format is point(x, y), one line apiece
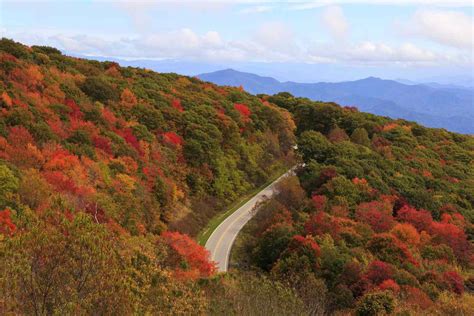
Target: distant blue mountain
point(431, 105)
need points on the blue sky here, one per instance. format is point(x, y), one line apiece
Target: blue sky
point(419, 36)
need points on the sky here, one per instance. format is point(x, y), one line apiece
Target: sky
point(399, 38)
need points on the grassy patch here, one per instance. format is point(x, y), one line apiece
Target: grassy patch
point(204, 235)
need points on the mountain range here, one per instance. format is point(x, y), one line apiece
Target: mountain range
point(434, 105)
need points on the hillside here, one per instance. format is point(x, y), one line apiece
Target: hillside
point(378, 220)
point(107, 172)
point(450, 108)
point(98, 162)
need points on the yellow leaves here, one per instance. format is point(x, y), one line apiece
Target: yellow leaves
point(124, 183)
point(128, 99)
point(6, 99)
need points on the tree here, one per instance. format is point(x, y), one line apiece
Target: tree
point(337, 135)
point(313, 145)
point(379, 271)
point(271, 245)
point(99, 89)
point(190, 259)
point(378, 214)
point(8, 185)
point(7, 227)
point(376, 303)
point(361, 137)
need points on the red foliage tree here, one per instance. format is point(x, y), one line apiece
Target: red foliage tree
point(421, 219)
point(319, 202)
point(454, 237)
point(176, 103)
point(378, 214)
point(389, 285)
point(186, 252)
point(75, 110)
point(6, 225)
point(103, 143)
point(322, 223)
point(19, 136)
point(415, 296)
point(243, 110)
point(379, 271)
point(454, 281)
point(60, 181)
point(172, 138)
point(131, 139)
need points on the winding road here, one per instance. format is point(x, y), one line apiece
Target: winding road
point(221, 240)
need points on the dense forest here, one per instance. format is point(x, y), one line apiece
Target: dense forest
point(103, 172)
point(107, 173)
point(377, 220)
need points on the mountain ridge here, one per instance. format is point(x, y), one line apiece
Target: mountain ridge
point(433, 106)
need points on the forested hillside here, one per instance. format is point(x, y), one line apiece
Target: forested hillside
point(98, 163)
point(106, 174)
point(379, 219)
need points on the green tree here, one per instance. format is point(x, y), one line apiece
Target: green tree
point(8, 185)
point(361, 137)
point(314, 145)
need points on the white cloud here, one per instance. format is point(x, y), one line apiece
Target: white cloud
point(369, 52)
point(256, 9)
point(275, 36)
point(272, 42)
point(334, 20)
point(449, 28)
point(307, 5)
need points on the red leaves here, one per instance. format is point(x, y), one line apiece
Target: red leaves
point(379, 271)
point(176, 103)
point(193, 258)
point(172, 138)
point(103, 143)
point(378, 214)
point(61, 159)
point(454, 237)
point(20, 136)
point(60, 181)
point(6, 225)
point(389, 285)
point(131, 139)
point(319, 202)
point(420, 219)
point(75, 110)
point(454, 281)
point(320, 224)
point(307, 242)
point(243, 110)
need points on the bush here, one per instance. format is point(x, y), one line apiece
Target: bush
point(375, 304)
point(99, 89)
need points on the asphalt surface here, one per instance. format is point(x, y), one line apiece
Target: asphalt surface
point(221, 240)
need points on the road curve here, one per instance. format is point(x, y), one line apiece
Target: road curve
point(220, 242)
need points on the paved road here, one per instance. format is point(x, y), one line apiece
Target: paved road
point(220, 242)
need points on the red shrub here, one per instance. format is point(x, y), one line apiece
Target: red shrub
point(415, 296)
point(379, 271)
point(454, 281)
point(320, 224)
point(186, 250)
point(378, 214)
point(390, 285)
point(172, 138)
point(6, 225)
point(319, 202)
point(103, 143)
point(243, 110)
point(454, 237)
point(176, 103)
point(420, 219)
